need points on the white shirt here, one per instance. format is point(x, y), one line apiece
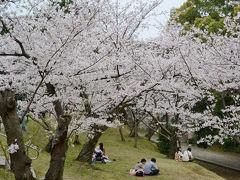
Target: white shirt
point(186, 155)
point(180, 153)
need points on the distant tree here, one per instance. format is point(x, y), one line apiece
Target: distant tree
point(205, 14)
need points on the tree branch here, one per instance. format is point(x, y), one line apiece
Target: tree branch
point(14, 54)
point(114, 76)
point(162, 127)
point(17, 41)
point(43, 126)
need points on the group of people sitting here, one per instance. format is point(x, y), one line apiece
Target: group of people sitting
point(185, 157)
point(150, 168)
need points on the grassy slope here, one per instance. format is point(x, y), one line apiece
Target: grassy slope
point(123, 152)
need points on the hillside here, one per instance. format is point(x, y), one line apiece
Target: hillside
point(123, 152)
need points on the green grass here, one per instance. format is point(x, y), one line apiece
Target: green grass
point(125, 154)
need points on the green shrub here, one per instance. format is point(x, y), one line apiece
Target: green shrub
point(163, 143)
point(204, 132)
point(230, 145)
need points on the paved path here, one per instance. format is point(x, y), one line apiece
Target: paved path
point(218, 158)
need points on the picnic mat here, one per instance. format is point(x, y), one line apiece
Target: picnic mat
point(133, 174)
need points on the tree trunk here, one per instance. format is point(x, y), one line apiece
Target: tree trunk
point(20, 162)
point(150, 133)
point(179, 142)
point(135, 130)
point(59, 149)
point(132, 132)
point(121, 133)
point(59, 112)
point(58, 144)
point(130, 122)
point(151, 129)
point(173, 147)
point(48, 147)
point(136, 135)
point(88, 149)
point(76, 140)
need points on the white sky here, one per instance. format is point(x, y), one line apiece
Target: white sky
point(155, 28)
point(166, 6)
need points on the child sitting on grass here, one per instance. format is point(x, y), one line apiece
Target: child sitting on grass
point(138, 170)
point(178, 154)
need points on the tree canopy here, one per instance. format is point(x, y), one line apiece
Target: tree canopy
point(205, 14)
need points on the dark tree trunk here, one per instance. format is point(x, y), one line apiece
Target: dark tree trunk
point(135, 130)
point(76, 140)
point(88, 149)
point(179, 142)
point(59, 112)
point(48, 147)
point(173, 147)
point(150, 133)
point(132, 132)
point(136, 136)
point(20, 162)
point(58, 144)
point(151, 129)
point(59, 149)
point(130, 123)
point(121, 134)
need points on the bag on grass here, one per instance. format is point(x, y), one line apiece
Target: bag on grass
point(99, 156)
point(139, 173)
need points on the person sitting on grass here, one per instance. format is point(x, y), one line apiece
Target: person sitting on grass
point(102, 148)
point(139, 167)
point(101, 154)
point(178, 154)
point(150, 168)
point(98, 156)
point(187, 155)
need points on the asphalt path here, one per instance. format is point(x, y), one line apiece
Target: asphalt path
point(222, 159)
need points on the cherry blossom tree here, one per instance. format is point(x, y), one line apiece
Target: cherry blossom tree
point(82, 63)
point(199, 65)
point(50, 55)
point(106, 94)
point(183, 69)
point(39, 44)
point(217, 69)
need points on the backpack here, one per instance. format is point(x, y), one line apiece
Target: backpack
point(98, 156)
point(139, 173)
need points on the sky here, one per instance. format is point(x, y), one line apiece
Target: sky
point(164, 9)
point(166, 6)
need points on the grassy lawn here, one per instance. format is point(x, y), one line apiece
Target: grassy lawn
point(125, 154)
